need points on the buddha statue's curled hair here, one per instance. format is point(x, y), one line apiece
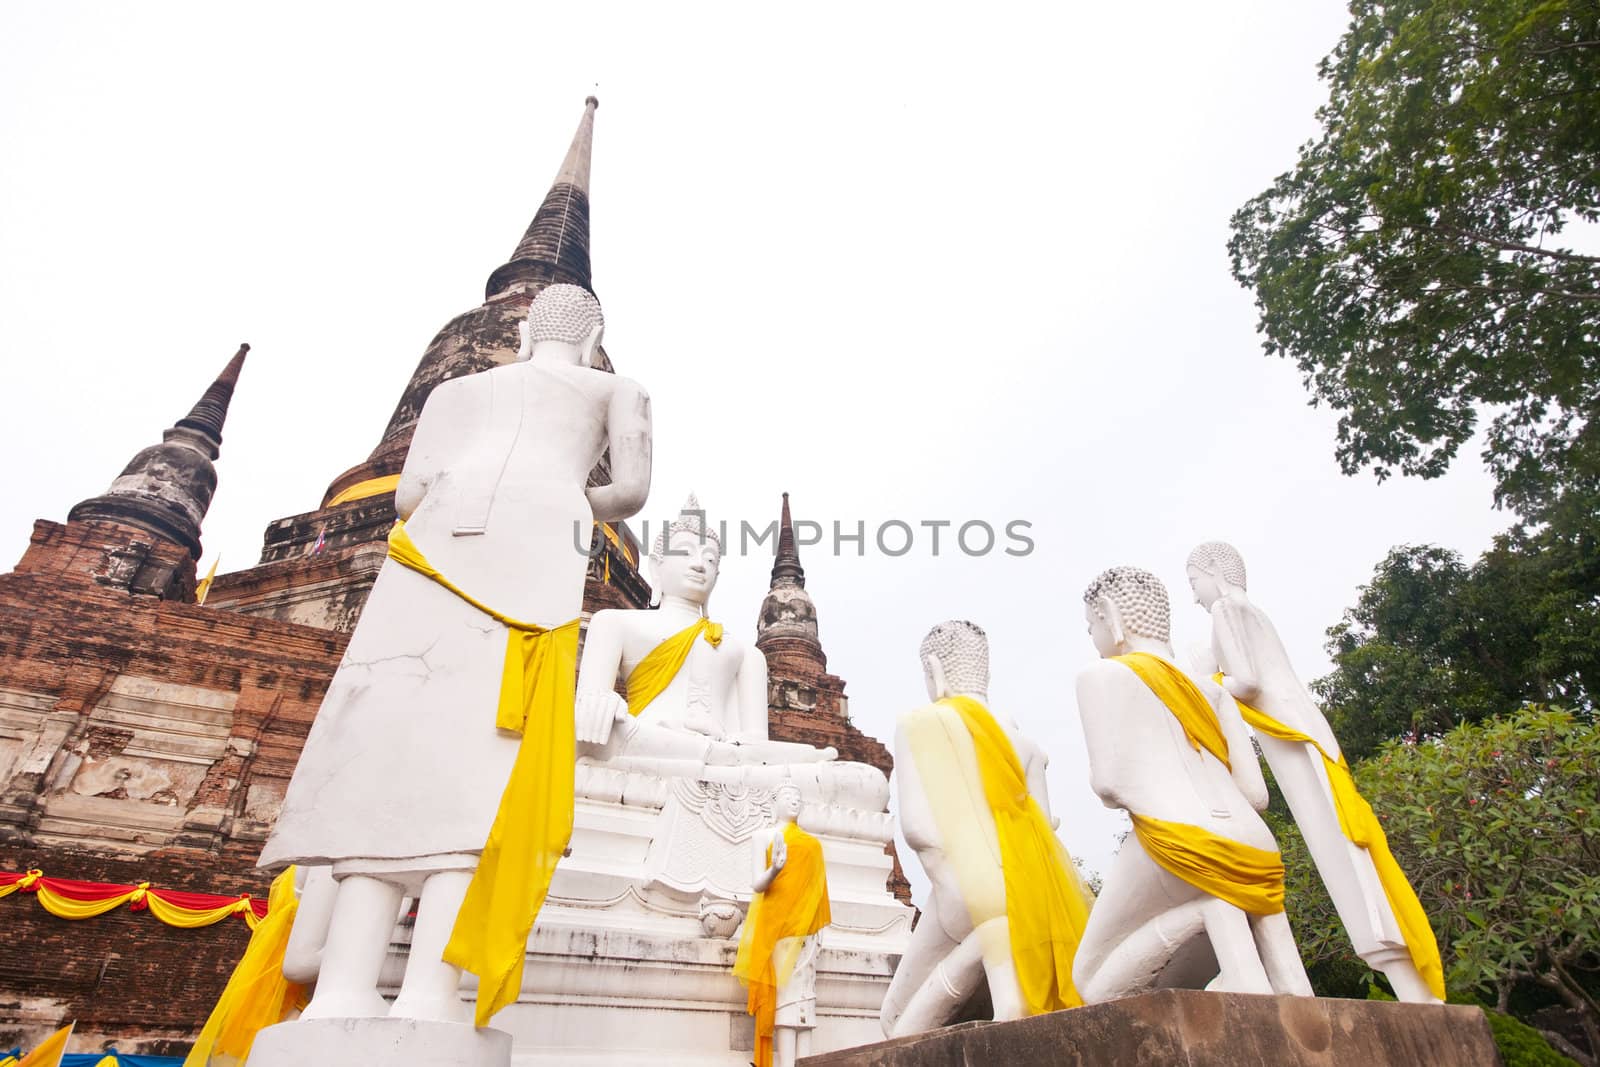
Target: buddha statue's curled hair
point(963, 651)
point(1220, 559)
point(691, 519)
point(566, 313)
point(1140, 599)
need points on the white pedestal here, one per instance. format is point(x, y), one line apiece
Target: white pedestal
point(347, 1042)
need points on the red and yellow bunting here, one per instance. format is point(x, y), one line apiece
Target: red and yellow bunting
point(69, 899)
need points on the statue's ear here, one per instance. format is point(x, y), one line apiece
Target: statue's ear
point(1113, 617)
point(938, 682)
point(591, 345)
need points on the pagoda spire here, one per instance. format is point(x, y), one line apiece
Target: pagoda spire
point(786, 570)
point(167, 488)
point(555, 247)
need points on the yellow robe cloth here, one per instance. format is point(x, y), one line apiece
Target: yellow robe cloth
point(1046, 904)
point(661, 665)
point(369, 488)
point(534, 821)
point(1243, 875)
point(48, 1052)
point(794, 907)
point(257, 995)
point(1360, 824)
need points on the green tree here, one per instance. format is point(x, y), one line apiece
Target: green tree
point(1419, 264)
point(1433, 642)
point(1497, 824)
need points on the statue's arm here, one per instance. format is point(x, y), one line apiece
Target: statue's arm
point(628, 436)
point(751, 692)
point(916, 818)
point(598, 705)
point(445, 416)
point(1246, 767)
point(1038, 786)
point(1099, 714)
point(1234, 656)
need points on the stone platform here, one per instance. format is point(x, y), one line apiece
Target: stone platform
point(1190, 1028)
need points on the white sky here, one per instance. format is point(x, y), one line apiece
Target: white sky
point(904, 261)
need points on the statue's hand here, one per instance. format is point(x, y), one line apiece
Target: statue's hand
point(595, 712)
point(701, 722)
point(780, 853)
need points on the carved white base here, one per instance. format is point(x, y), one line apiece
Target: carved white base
point(330, 1042)
point(632, 959)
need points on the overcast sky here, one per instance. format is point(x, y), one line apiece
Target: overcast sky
point(906, 262)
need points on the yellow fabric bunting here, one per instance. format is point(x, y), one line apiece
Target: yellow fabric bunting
point(794, 907)
point(257, 994)
point(661, 665)
point(1045, 902)
point(1184, 699)
point(534, 821)
point(362, 490)
point(1360, 824)
point(1247, 877)
point(66, 908)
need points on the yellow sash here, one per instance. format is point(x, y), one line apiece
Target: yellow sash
point(1243, 875)
point(1361, 826)
point(257, 995)
point(1046, 904)
point(794, 907)
point(658, 668)
point(534, 820)
point(1184, 699)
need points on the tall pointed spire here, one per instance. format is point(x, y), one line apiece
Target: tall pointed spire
point(555, 247)
point(167, 488)
point(787, 569)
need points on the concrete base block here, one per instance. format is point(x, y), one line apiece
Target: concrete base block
point(348, 1042)
point(1192, 1028)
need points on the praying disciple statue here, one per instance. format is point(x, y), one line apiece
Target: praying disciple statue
point(1377, 906)
point(777, 957)
point(440, 764)
point(1005, 904)
point(1200, 863)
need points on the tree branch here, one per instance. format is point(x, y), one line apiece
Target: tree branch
point(1514, 246)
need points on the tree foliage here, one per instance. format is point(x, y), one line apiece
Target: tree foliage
point(1433, 642)
point(1428, 257)
point(1497, 824)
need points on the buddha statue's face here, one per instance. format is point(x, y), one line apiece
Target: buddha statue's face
point(689, 567)
point(786, 804)
point(1101, 616)
point(1207, 589)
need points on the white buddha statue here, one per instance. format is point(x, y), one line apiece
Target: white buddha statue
point(1006, 908)
point(403, 771)
point(1257, 672)
point(1201, 863)
point(697, 694)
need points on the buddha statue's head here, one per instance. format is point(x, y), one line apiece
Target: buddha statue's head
point(686, 557)
point(1215, 570)
point(786, 802)
point(1126, 602)
point(955, 659)
point(568, 315)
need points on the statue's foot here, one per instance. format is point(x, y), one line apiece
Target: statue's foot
point(346, 1004)
point(442, 1009)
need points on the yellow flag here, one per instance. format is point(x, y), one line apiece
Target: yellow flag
point(48, 1053)
point(204, 587)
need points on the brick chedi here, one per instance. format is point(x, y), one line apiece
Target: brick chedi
point(805, 703)
point(328, 585)
point(142, 738)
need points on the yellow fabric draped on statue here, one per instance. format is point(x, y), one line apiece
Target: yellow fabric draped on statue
point(534, 820)
point(661, 664)
point(1045, 902)
point(1243, 875)
point(794, 907)
point(257, 995)
point(1360, 824)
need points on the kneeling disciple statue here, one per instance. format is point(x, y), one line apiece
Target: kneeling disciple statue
point(1200, 866)
point(440, 765)
point(778, 949)
point(1005, 904)
point(1379, 909)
